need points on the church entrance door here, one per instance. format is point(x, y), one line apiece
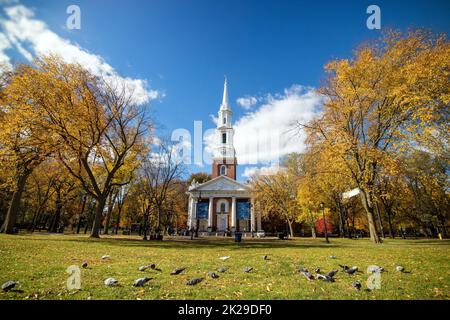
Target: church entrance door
point(222, 222)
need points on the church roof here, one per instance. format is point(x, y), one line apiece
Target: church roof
point(220, 183)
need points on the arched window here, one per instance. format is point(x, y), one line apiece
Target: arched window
point(222, 206)
point(223, 170)
point(224, 120)
point(224, 138)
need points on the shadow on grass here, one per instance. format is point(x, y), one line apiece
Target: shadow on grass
point(227, 243)
point(185, 242)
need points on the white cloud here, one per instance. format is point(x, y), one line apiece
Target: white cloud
point(250, 172)
point(29, 34)
point(5, 61)
point(265, 135)
point(247, 102)
point(214, 119)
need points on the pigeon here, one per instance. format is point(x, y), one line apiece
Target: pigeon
point(111, 282)
point(84, 265)
point(224, 258)
point(150, 266)
point(248, 269)
point(306, 273)
point(356, 285)
point(105, 257)
point(332, 273)
point(141, 282)
point(324, 277)
point(177, 271)
point(8, 285)
point(344, 267)
point(222, 270)
point(194, 281)
point(213, 275)
point(351, 270)
point(374, 269)
point(400, 269)
point(332, 257)
point(265, 257)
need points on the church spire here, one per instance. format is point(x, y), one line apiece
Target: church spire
point(225, 96)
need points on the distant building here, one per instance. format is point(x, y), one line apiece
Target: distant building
point(223, 204)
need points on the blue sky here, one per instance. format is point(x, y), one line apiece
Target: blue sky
point(183, 49)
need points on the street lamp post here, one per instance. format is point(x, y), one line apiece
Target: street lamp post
point(145, 226)
point(322, 206)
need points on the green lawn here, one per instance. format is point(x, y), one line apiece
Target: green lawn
point(39, 263)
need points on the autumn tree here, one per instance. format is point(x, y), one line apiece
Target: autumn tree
point(377, 102)
point(309, 201)
point(428, 200)
point(276, 193)
point(24, 143)
point(95, 123)
point(161, 171)
point(199, 177)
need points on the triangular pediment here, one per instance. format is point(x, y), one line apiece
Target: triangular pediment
point(221, 183)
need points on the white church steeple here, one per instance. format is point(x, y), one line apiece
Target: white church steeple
point(224, 150)
point(225, 105)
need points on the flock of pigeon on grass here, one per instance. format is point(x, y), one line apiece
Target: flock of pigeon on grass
point(329, 276)
point(319, 275)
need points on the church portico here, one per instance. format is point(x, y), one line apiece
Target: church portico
point(223, 205)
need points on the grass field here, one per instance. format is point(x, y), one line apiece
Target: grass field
point(39, 263)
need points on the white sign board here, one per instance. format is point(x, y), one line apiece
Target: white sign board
point(350, 193)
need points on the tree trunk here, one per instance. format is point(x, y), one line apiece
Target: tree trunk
point(43, 224)
point(370, 216)
point(291, 232)
point(380, 222)
point(101, 201)
point(58, 208)
point(86, 227)
point(80, 216)
point(36, 218)
point(391, 229)
point(347, 218)
point(313, 232)
point(109, 213)
point(145, 227)
point(341, 220)
point(441, 223)
point(80, 219)
point(119, 211)
point(13, 210)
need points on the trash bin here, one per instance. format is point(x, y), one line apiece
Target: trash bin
point(237, 237)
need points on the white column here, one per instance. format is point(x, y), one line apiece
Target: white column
point(233, 214)
point(191, 204)
point(210, 213)
point(252, 216)
point(194, 213)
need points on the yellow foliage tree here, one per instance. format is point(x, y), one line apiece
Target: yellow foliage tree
point(378, 103)
point(97, 127)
